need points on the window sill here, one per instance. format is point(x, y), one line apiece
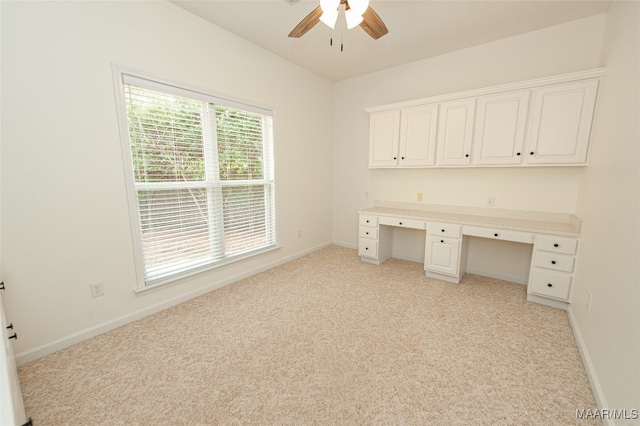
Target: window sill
point(177, 280)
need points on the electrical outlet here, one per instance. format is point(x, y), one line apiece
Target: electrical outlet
point(97, 289)
point(419, 196)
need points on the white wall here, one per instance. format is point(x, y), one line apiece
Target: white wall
point(64, 209)
point(609, 202)
point(561, 49)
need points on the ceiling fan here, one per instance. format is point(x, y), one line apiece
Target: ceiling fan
point(357, 12)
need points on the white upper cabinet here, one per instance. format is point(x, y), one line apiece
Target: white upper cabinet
point(500, 128)
point(383, 138)
point(455, 132)
point(418, 135)
point(543, 122)
point(561, 123)
point(403, 138)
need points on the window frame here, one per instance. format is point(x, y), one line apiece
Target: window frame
point(123, 76)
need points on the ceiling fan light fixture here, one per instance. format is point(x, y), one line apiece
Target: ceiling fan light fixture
point(329, 18)
point(329, 5)
point(353, 18)
point(358, 6)
point(357, 12)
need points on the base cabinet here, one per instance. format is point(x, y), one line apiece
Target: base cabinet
point(442, 255)
point(552, 269)
point(368, 237)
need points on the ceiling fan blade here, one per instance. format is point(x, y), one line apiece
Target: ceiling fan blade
point(307, 23)
point(372, 24)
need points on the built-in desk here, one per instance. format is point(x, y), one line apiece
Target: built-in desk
point(554, 238)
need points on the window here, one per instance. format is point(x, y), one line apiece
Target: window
point(200, 174)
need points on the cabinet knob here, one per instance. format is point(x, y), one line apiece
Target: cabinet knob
point(517, 153)
point(442, 241)
point(495, 235)
point(556, 245)
point(443, 230)
point(367, 220)
point(553, 262)
point(367, 232)
point(466, 155)
point(366, 248)
point(402, 158)
point(531, 153)
point(549, 285)
point(395, 158)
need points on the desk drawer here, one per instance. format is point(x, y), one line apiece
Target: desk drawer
point(556, 244)
point(444, 229)
point(499, 234)
point(368, 220)
point(550, 284)
point(368, 248)
point(558, 262)
point(368, 232)
point(402, 223)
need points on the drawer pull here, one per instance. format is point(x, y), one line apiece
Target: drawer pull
point(13, 336)
point(553, 262)
point(443, 230)
point(549, 285)
point(367, 232)
point(495, 235)
point(10, 326)
point(367, 220)
point(442, 241)
point(400, 223)
point(366, 248)
point(556, 245)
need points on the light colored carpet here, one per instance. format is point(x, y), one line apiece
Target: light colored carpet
point(325, 339)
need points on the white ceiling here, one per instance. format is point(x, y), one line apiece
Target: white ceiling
point(417, 29)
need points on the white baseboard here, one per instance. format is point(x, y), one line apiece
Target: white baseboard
point(49, 348)
point(546, 301)
point(601, 402)
point(345, 245)
point(409, 258)
point(503, 277)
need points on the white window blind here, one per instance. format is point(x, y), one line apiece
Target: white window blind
point(202, 175)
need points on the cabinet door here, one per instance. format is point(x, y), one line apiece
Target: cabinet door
point(442, 255)
point(561, 123)
point(455, 131)
point(418, 135)
point(384, 130)
point(500, 128)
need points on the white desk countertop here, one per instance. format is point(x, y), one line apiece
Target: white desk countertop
point(528, 221)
